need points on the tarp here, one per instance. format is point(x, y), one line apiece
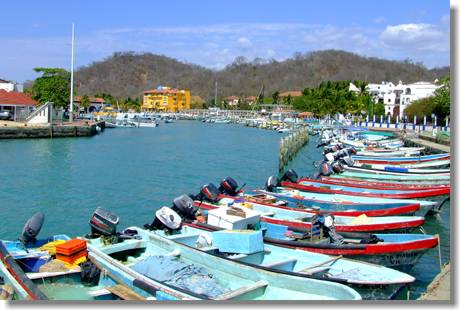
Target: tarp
point(171, 270)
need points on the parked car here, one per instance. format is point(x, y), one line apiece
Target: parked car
point(5, 115)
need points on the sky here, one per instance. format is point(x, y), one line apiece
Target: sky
point(213, 33)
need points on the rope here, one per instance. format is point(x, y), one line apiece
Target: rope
point(443, 202)
point(439, 252)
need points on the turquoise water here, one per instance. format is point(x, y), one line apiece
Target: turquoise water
point(133, 172)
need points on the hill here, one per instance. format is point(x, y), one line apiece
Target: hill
point(129, 74)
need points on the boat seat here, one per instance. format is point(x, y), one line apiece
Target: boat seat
point(124, 292)
point(242, 291)
point(238, 256)
point(315, 270)
point(209, 249)
point(292, 261)
point(184, 237)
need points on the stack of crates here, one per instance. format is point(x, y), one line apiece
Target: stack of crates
point(71, 250)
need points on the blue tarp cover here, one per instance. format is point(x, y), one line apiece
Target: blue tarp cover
point(171, 270)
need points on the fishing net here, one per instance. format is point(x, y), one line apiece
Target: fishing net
point(170, 270)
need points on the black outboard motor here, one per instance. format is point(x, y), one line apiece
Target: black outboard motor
point(347, 161)
point(322, 144)
point(210, 193)
point(290, 176)
point(184, 206)
point(337, 167)
point(32, 228)
point(229, 186)
point(327, 222)
point(272, 183)
point(103, 222)
point(165, 219)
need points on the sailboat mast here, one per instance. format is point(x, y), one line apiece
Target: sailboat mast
point(71, 77)
point(215, 95)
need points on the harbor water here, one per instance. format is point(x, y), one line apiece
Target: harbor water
point(134, 171)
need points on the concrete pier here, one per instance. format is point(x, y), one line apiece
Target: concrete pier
point(439, 289)
point(14, 130)
point(290, 145)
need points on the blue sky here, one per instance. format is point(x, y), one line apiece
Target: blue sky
point(214, 33)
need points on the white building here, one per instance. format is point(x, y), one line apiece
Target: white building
point(397, 97)
point(11, 86)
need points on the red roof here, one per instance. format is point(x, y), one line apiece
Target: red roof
point(91, 99)
point(231, 98)
point(15, 98)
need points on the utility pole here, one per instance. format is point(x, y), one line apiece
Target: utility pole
point(71, 79)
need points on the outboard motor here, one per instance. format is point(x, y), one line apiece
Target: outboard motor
point(329, 228)
point(325, 169)
point(272, 183)
point(32, 228)
point(328, 150)
point(290, 176)
point(184, 206)
point(210, 193)
point(337, 167)
point(103, 222)
point(165, 219)
point(229, 186)
point(322, 144)
point(347, 161)
point(330, 156)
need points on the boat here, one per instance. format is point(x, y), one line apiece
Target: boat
point(363, 277)
point(318, 206)
point(397, 160)
point(389, 152)
point(399, 170)
point(399, 251)
point(34, 270)
point(377, 185)
point(424, 165)
point(189, 273)
point(318, 187)
point(337, 207)
point(303, 219)
point(392, 176)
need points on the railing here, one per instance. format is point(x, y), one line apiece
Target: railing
point(39, 111)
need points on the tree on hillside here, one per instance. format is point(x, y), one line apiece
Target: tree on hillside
point(85, 103)
point(276, 96)
point(442, 98)
point(53, 86)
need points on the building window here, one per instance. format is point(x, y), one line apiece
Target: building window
point(389, 100)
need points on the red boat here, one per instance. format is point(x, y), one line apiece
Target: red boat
point(400, 251)
point(335, 208)
point(302, 219)
point(377, 185)
point(317, 187)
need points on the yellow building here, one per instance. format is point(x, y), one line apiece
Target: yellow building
point(166, 99)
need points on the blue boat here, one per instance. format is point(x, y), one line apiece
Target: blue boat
point(296, 196)
point(371, 281)
point(339, 207)
point(189, 273)
point(412, 159)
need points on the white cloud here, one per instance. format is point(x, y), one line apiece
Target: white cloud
point(215, 46)
point(244, 42)
point(379, 20)
point(419, 37)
